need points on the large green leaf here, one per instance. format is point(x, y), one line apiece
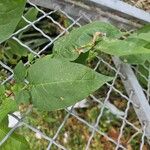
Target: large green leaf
point(10, 15)
point(56, 84)
point(132, 51)
point(14, 142)
point(6, 107)
point(67, 47)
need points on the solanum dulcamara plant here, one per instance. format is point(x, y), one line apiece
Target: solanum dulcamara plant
point(63, 78)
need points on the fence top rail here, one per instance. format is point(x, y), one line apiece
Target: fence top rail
point(119, 13)
point(124, 8)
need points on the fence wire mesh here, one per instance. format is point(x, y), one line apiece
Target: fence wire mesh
point(105, 120)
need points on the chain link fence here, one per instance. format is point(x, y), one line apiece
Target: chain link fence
point(122, 105)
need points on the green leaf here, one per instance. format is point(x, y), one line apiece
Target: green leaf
point(67, 46)
point(16, 48)
point(20, 72)
point(10, 14)
point(14, 142)
point(30, 15)
point(56, 84)
point(6, 107)
point(137, 58)
point(134, 50)
point(22, 96)
point(127, 50)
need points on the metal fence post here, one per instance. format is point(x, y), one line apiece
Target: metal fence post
point(139, 101)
